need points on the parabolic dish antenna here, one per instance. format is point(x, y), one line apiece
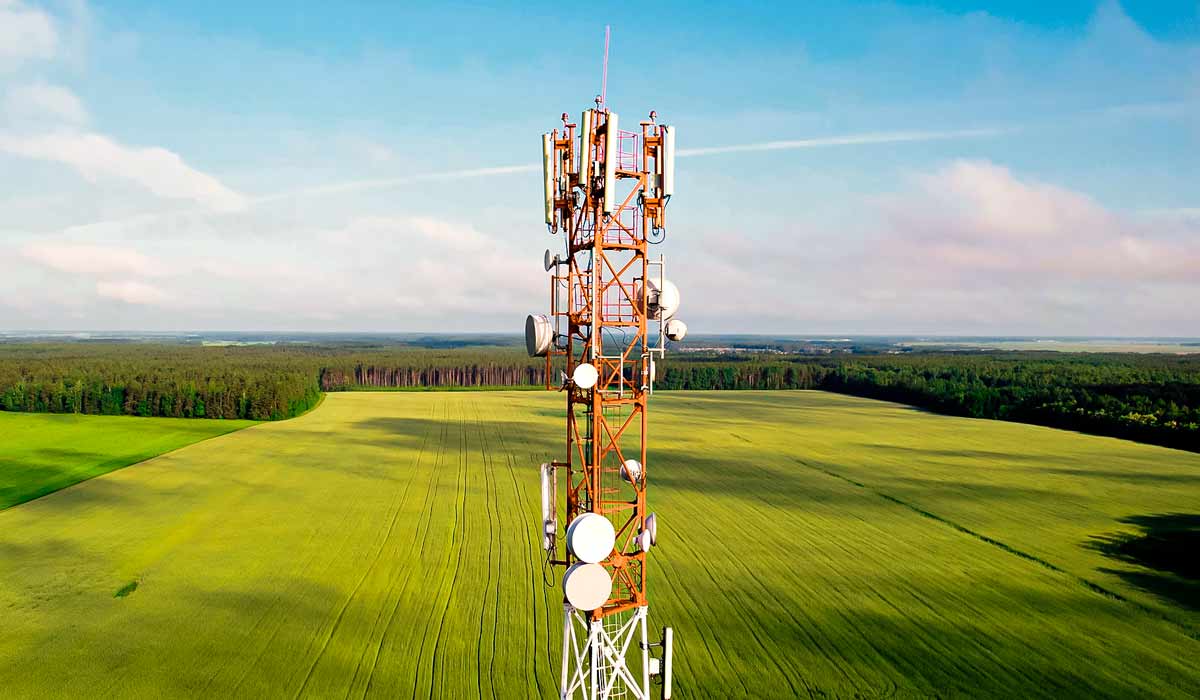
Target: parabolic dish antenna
point(660, 303)
point(633, 471)
point(652, 528)
point(587, 586)
point(549, 260)
point(585, 376)
point(675, 329)
point(591, 537)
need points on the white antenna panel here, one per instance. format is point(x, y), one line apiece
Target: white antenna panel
point(668, 166)
point(585, 156)
point(612, 153)
point(548, 175)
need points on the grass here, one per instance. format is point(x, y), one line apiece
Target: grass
point(42, 453)
point(809, 544)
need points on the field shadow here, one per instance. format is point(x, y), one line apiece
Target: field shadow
point(1131, 476)
point(1166, 552)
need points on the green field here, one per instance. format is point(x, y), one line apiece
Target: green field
point(810, 544)
point(42, 453)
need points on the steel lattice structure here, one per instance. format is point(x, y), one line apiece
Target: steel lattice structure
point(605, 193)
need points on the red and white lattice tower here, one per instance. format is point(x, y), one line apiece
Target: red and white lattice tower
point(612, 310)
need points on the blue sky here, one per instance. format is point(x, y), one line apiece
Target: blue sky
point(1000, 168)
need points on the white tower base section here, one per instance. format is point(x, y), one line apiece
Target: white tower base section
point(597, 654)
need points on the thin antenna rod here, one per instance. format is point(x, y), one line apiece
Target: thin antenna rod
point(604, 80)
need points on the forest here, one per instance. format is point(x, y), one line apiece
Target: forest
point(1152, 398)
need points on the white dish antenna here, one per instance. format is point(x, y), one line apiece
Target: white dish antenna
point(590, 538)
point(633, 471)
point(539, 334)
point(587, 586)
point(662, 302)
point(652, 527)
point(675, 329)
point(550, 260)
point(585, 376)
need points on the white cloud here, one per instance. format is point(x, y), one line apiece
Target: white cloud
point(970, 247)
point(25, 33)
point(131, 292)
point(98, 260)
point(158, 170)
point(42, 101)
point(972, 222)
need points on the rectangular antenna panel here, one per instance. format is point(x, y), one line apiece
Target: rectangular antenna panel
point(585, 150)
point(668, 157)
point(612, 153)
point(548, 175)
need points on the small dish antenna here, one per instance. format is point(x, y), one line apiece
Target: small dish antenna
point(550, 260)
point(585, 376)
point(652, 527)
point(591, 537)
point(633, 471)
point(662, 298)
point(587, 586)
point(675, 330)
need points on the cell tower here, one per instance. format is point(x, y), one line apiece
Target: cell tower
point(611, 311)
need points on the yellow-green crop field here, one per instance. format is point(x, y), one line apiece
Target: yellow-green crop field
point(810, 544)
point(41, 453)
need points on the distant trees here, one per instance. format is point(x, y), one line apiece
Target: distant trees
point(1150, 398)
point(154, 380)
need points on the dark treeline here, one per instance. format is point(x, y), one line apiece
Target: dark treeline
point(1149, 398)
point(155, 380)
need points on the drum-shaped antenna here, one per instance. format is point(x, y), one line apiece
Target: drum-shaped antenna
point(539, 333)
point(587, 586)
point(585, 376)
point(591, 537)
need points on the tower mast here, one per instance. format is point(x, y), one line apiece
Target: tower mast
point(611, 312)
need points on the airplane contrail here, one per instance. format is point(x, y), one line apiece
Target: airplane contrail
point(824, 142)
point(851, 140)
point(351, 186)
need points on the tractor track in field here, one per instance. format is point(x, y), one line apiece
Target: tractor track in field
point(397, 507)
point(495, 554)
point(526, 561)
point(416, 466)
point(456, 545)
point(417, 546)
point(1085, 583)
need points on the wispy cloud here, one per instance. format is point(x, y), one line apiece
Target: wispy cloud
point(25, 33)
point(335, 188)
point(156, 169)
